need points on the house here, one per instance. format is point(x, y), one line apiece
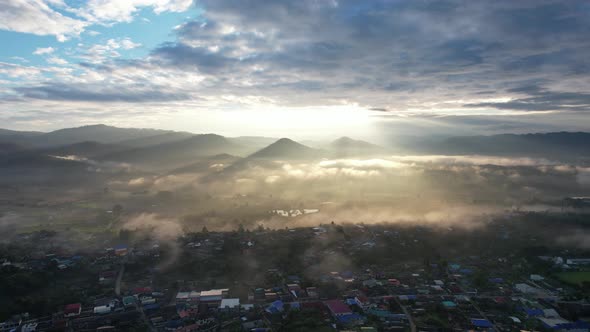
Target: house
point(276, 307)
point(213, 295)
point(230, 305)
point(29, 327)
point(72, 310)
point(337, 308)
point(449, 304)
point(182, 296)
point(528, 289)
point(295, 290)
point(121, 250)
point(312, 292)
point(578, 261)
point(102, 310)
point(129, 301)
point(351, 319)
point(481, 323)
point(394, 282)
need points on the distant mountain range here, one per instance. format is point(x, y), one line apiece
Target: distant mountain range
point(182, 152)
point(551, 145)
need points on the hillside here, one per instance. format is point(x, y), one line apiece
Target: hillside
point(177, 153)
point(348, 147)
point(286, 148)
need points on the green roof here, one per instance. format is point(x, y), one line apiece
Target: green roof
point(449, 304)
point(129, 300)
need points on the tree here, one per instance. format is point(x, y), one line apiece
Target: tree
point(117, 210)
point(205, 230)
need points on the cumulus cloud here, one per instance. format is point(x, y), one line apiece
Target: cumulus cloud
point(42, 17)
point(44, 50)
point(57, 61)
point(38, 17)
point(111, 11)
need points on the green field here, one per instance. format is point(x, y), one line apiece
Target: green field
point(575, 278)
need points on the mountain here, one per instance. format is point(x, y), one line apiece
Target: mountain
point(97, 133)
point(286, 148)
point(8, 132)
point(156, 139)
point(20, 138)
point(348, 147)
point(8, 147)
point(548, 145)
point(208, 164)
point(87, 149)
point(254, 142)
point(173, 154)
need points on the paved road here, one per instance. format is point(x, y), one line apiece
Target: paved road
point(407, 313)
point(119, 278)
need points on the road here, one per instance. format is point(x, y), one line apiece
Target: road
point(407, 313)
point(120, 277)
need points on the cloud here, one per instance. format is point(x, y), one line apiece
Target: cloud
point(539, 99)
point(100, 53)
point(13, 70)
point(275, 47)
point(59, 92)
point(39, 18)
point(44, 50)
point(57, 61)
point(42, 17)
point(448, 58)
point(111, 11)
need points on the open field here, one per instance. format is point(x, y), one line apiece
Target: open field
point(575, 278)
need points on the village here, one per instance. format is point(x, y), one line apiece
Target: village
point(325, 278)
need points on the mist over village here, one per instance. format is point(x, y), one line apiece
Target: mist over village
point(180, 165)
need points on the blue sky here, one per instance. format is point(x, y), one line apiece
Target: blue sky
point(334, 67)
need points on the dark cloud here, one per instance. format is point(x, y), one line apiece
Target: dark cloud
point(542, 100)
point(199, 58)
point(409, 56)
point(61, 92)
point(366, 51)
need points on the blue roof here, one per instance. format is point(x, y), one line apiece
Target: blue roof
point(153, 306)
point(534, 312)
point(481, 322)
point(276, 307)
point(496, 280)
point(348, 318)
point(174, 323)
point(578, 325)
point(351, 301)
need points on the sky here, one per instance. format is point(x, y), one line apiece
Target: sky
point(306, 68)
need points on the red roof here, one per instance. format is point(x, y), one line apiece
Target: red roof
point(142, 290)
point(72, 308)
point(338, 307)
